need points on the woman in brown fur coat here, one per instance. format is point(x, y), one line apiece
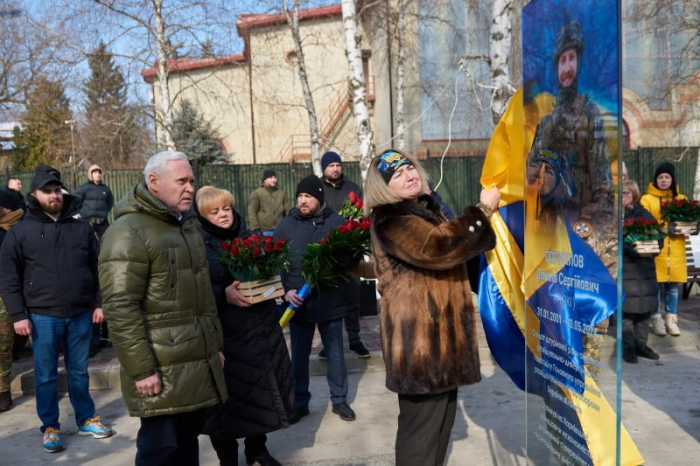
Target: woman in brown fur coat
point(427, 315)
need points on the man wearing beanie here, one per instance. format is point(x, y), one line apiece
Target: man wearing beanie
point(267, 204)
point(97, 200)
point(10, 214)
point(49, 284)
point(671, 267)
point(336, 189)
point(310, 221)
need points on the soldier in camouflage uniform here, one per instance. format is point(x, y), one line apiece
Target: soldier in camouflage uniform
point(10, 213)
point(573, 134)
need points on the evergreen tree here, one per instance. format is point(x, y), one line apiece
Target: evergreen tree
point(45, 136)
point(109, 133)
point(195, 136)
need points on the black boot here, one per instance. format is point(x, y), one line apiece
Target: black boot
point(629, 355)
point(5, 401)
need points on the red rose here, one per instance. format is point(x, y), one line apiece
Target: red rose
point(269, 247)
point(257, 251)
point(248, 243)
point(343, 228)
point(235, 251)
point(323, 241)
point(359, 204)
point(279, 245)
point(352, 196)
point(237, 241)
point(226, 246)
point(255, 239)
point(365, 224)
point(268, 239)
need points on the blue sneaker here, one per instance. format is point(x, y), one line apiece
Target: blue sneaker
point(95, 428)
point(53, 442)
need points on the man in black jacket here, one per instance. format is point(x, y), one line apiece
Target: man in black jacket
point(336, 189)
point(49, 284)
point(97, 201)
point(310, 221)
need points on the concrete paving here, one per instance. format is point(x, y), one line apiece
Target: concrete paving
point(659, 408)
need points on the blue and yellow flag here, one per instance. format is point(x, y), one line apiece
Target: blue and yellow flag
point(535, 307)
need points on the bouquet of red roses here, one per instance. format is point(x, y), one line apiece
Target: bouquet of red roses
point(642, 229)
point(352, 207)
point(255, 257)
point(680, 210)
point(325, 263)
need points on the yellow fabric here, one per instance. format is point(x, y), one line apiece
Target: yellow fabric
point(514, 273)
point(670, 263)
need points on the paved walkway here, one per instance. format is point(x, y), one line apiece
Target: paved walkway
point(104, 367)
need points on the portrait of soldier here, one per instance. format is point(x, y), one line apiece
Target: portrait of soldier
point(571, 141)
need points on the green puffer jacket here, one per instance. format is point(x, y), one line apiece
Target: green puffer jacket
point(157, 298)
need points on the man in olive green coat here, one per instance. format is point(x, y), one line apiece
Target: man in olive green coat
point(267, 205)
point(163, 321)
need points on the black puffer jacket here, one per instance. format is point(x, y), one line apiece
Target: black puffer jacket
point(324, 304)
point(257, 370)
point(49, 267)
point(638, 274)
point(97, 200)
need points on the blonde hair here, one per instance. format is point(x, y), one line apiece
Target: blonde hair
point(208, 197)
point(377, 190)
point(634, 189)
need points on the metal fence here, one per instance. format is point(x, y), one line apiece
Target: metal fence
point(458, 176)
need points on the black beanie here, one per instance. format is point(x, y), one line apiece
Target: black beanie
point(311, 185)
point(666, 167)
point(329, 158)
point(43, 175)
point(9, 200)
point(268, 174)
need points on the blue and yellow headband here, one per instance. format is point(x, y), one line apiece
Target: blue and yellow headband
point(389, 161)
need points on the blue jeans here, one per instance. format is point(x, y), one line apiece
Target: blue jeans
point(668, 292)
point(302, 334)
point(47, 334)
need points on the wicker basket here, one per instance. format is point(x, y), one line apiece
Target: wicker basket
point(682, 228)
point(262, 290)
point(646, 248)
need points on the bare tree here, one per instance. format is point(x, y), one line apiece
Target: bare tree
point(500, 56)
point(358, 85)
point(165, 30)
point(400, 70)
point(293, 21)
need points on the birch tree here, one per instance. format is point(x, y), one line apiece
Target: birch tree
point(400, 70)
point(499, 54)
point(293, 21)
point(358, 86)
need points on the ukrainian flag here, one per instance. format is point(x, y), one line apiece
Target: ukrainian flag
point(518, 292)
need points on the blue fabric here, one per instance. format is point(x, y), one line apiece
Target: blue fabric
point(47, 335)
point(302, 334)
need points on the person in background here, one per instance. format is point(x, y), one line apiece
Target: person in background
point(15, 185)
point(428, 327)
point(257, 368)
point(309, 222)
point(163, 318)
point(97, 201)
point(49, 284)
point(336, 189)
point(10, 214)
point(639, 285)
point(267, 205)
point(671, 268)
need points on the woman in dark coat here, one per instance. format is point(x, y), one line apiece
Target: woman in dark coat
point(257, 366)
point(427, 325)
point(639, 285)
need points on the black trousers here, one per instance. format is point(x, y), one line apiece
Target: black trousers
point(227, 448)
point(170, 439)
point(425, 425)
